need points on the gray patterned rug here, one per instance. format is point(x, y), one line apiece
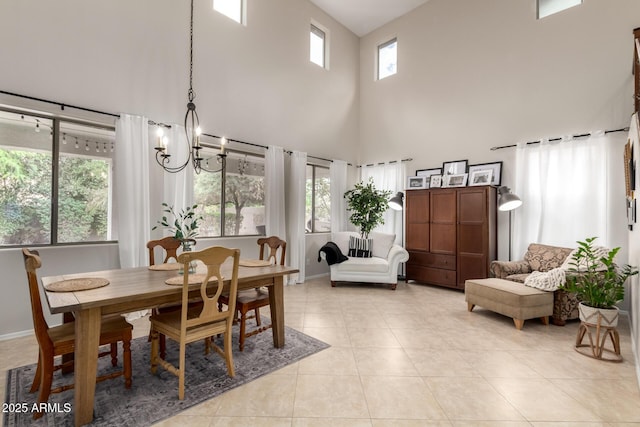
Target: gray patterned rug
point(154, 398)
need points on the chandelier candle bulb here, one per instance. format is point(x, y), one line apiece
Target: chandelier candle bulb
point(198, 133)
point(160, 133)
point(223, 142)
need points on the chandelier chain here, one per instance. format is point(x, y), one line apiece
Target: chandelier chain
point(191, 93)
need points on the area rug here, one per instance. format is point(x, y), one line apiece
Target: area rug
point(153, 398)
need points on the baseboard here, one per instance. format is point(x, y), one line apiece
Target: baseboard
point(317, 276)
point(18, 334)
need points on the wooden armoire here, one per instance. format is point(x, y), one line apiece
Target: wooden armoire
point(450, 234)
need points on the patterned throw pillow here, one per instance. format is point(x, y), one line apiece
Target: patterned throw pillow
point(359, 248)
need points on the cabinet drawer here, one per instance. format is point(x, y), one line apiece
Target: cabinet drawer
point(428, 259)
point(435, 276)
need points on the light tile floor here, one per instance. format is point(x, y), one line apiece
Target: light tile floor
point(415, 357)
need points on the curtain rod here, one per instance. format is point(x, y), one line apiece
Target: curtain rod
point(151, 122)
point(382, 163)
point(582, 135)
point(62, 106)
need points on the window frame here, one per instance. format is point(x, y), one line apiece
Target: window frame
point(559, 9)
point(325, 43)
point(243, 12)
point(379, 48)
point(313, 219)
point(223, 190)
point(314, 30)
point(56, 138)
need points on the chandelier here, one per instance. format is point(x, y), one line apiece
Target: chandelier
point(191, 128)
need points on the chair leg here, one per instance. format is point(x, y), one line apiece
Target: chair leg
point(228, 354)
point(46, 378)
point(154, 351)
point(114, 354)
point(243, 329)
point(207, 345)
point(126, 360)
point(181, 371)
point(258, 320)
point(37, 377)
point(163, 346)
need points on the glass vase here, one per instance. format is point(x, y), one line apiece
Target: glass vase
point(187, 246)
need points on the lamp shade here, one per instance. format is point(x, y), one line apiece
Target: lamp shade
point(507, 201)
point(395, 202)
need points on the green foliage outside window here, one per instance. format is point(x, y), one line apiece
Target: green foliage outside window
point(243, 193)
point(25, 198)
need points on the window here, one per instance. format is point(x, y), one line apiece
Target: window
point(549, 7)
point(243, 198)
point(318, 205)
point(317, 46)
point(56, 184)
point(387, 59)
point(233, 9)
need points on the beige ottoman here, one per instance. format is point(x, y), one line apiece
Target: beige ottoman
point(510, 299)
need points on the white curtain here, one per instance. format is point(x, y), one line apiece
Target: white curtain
point(338, 180)
point(178, 187)
point(274, 192)
point(131, 171)
point(295, 220)
point(567, 192)
point(388, 176)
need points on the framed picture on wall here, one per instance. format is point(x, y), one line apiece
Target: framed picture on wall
point(416, 182)
point(435, 181)
point(455, 167)
point(496, 167)
point(428, 172)
point(454, 180)
point(480, 177)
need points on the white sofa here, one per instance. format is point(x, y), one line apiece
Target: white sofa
point(382, 267)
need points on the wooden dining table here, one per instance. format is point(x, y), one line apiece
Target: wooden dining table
point(133, 289)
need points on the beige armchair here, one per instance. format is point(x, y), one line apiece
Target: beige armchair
point(542, 258)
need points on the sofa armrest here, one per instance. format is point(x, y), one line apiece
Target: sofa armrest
point(502, 269)
point(397, 254)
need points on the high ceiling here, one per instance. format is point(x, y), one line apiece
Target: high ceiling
point(364, 16)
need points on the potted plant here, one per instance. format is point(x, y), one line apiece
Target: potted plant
point(184, 225)
point(598, 282)
point(367, 205)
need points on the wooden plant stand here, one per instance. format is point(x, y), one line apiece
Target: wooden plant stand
point(598, 335)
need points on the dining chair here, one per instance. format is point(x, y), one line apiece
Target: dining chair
point(60, 340)
point(201, 322)
point(170, 245)
point(252, 299)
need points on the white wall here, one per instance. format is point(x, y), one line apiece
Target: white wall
point(252, 83)
point(477, 74)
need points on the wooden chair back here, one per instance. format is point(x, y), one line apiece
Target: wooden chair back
point(212, 258)
point(169, 244)
point(31, 263)
point(273, 243)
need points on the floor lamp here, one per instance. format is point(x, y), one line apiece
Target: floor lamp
point(396, 203)
point(507, 201)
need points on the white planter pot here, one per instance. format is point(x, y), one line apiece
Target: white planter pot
point(608, 316)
